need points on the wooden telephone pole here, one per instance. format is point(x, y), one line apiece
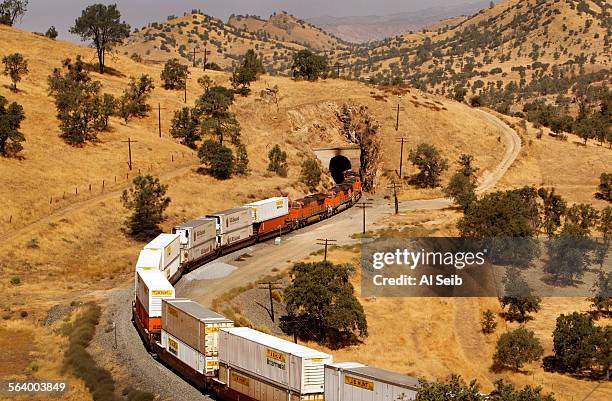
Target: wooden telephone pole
point(401, 140)
point(129, 142)
point(159, 109)
point(270, 285)
point(195, 51)
point(395, 187)
point(338, 65)
point(205, 57)
point(325, 242)
point(397, 114)
point(363, 206)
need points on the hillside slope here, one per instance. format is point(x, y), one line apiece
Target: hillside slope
point(512, 52)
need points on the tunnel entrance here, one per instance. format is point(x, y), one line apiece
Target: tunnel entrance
point(337, 166)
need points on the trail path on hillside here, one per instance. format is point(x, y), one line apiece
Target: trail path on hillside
point(205, 284)
point(90, 202)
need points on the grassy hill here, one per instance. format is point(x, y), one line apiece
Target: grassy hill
point(511, 53)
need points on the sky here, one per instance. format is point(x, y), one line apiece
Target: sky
point(138, 13)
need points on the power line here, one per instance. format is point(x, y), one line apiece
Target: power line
point(130, 142)
point(195, 51)
point(398, 109)
point(325, 242)
point(401, 140)
point(159, 109)
point(363, 206)
point(270, 285)
point(395, 186)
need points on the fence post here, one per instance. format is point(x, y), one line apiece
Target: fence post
point(11, 219)
point(102, 184)
point(51, 200)
point(89, 187)
point(76, 190)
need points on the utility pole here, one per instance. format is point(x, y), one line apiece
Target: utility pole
point(130, 142)
point(338, 65)
point(394, 187)
point(363, 206)
point(401, 163)
point(185, 88)
point(397, 113)
point(159, 109)
point(195, 51)
point(325, 242)
point(271, 285)
point(205, 56)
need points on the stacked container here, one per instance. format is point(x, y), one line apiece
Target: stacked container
point(198, 238)
point(163, 250)
point(269, 215)
point(351, 381)
point(233, 225)
point(151, 288)
point(191, 333)
point(259, 365)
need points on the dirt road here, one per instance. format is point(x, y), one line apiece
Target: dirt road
point(204, 284)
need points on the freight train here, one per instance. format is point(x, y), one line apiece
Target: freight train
point(238, 363)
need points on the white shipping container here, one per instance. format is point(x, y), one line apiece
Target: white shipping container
point(196, 232)
point(168, 245)
point(149, 259)
point(188, 355)
point(269, 209)
point(291, 366)
point(172, 268)
point(232, 219)
point(199, 251)
point(151, 287)
point(235, 236)
point(351, 381)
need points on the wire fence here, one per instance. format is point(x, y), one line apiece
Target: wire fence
point(90, 190)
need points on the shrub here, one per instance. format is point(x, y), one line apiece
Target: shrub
point(174, 74)
point(311, 173)
point(278, 161)
point(217, 159)
point(147, 200)
point(517, 347)
point(429, 161)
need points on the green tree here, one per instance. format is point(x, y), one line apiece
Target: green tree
point(518, 296)
point(246, 72)
point(506, 392)
point(242, 160)
point(77, 99)
point(311, 173)
point(11, 10)
point(462, 185)
point(307, 65)
point(102, 25)
point(212, 108)
point(205, 82)
point(575, 341)
point(431, 165)
point(147, 200)
point(51, 33)
point(488, 322)
point(11, 116)
point(186, 127)
point(517, 347)
point(108, 107)
point(553, 209)
point(15, 66)
point(174, 75)
point(322, 296)
point(602, 301)
point(605, 187)
point(133, 102)
point(453, 388)
point(459, 93)
point(218, 160)
point(278, 161)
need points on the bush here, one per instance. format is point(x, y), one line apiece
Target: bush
point(133, 103)
point(15, 280)
point(311, 173)
point(11, 116)
point(429, 161)
point(278, 161)
point(605, 187)
point(147, 200)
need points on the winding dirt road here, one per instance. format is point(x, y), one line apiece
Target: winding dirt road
point(204, 284)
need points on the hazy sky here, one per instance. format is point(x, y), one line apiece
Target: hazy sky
point(62, 13)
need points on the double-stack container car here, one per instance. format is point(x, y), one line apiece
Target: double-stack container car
point(352, 381)
point(151, 289)
point(165, 251)
point(190, 334)
point(270, 216)
point(266, 368)
point(234, 227)
point(198, 240)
